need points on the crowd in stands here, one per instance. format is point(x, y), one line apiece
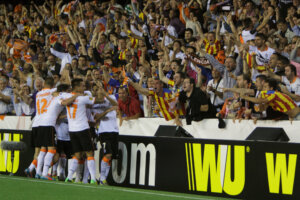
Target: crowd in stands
point(174, 59)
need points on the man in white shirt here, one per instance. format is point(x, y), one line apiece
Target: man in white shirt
point(292, 83)
point(284, 31)
point(248, 33)
point(39, 84)
point(47, 111)
point(79, 128)
point(176, 53)
point(262, 54)
point(215, 89)
point(65, 57)
point(170, 32)
point(108, 131)
point(63, 143)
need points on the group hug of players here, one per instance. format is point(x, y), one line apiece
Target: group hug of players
point(61, 130)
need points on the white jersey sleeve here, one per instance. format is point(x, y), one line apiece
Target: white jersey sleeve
point(88, 93)
point(88, 100)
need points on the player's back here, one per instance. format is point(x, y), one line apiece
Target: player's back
point(76, 112)
point(43, 99)
point(49, 118)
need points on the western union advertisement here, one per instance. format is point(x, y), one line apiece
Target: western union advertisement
point(258, 170)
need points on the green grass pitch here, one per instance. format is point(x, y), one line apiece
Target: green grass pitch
point(19, 188)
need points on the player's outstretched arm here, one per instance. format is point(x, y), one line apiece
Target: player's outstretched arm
point(254, 100)
point(69, 101)
point(99, 116)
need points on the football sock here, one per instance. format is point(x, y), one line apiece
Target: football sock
point(33, 165)
point(105, 167)
point(62, 166)
point(40, 163)
point(54, 169)
point(91, 167)
point(86, 173)
point(48, 160)
point(79, 171)
point(72, 168)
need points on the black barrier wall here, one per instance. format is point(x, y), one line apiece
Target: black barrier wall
point(235, 169)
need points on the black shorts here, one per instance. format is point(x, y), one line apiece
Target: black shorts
point(64, 147)
point(111, 143)
point(82, 141)
point(46, 136)
point(34, 135)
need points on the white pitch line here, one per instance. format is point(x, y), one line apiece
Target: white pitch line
point(99, 187)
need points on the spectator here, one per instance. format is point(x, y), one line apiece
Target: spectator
point(6, 95)
point(262, 54)
point(198, 105)
point(269, 96)
point(129, 107)
point(215, 89)
point(53, 67)
point(244, 84)
point(295, 54)
point(231, 108)
point(290, 81)
point(284, 32)
point(175, 84)
point(162, 97)
point(9, 68)
point(110, 43)
point(230, 70)
point(23, 101)
point(170, 32)
point(65, 57)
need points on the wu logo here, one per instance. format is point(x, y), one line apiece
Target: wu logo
point(213, 162)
